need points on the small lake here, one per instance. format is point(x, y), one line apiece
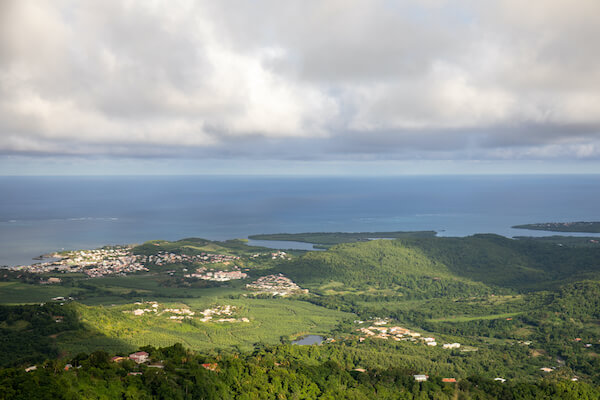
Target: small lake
point(310, 339)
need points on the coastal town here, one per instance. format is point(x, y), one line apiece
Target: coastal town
point(120, 260)
point(94, 263)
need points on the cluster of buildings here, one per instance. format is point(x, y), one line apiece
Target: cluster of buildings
point(152, 307)
point(219, 276)
point(394, 332)
point(180, 313)
point(399, 333)
point(217, 314)
point(278, 254)
point(121, 266)
point(92, 257)
point(141, 311)
point(139, 357)
point(120, 260)
point(94, 263)
point(165, 258)
point(227, 311)
point(276, 285)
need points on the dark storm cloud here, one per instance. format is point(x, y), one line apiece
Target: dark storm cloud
point(300, 80)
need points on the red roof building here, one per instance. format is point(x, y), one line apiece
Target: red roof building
point(139, 357)
point(211, 366)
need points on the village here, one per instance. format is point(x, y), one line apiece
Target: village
point(165, 258)
point(276, 285)
point(218, 276)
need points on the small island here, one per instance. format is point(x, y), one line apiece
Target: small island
point(580, 226)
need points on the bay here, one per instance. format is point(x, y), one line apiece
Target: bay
point(43, 214)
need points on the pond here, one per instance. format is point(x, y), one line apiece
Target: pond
point(310, 339)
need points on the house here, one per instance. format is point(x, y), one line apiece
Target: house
point(546, 369)
point(210, 366)
point(449, 380)
point(500, 380)
point(431, 343)
point(117, 359)
point(29, 369)
point(421, 378)
point(451, 345)
point(139, 357)
point(134, 373)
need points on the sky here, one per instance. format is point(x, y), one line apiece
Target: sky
point(299, 87)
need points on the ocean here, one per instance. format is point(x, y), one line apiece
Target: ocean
point(44, 214)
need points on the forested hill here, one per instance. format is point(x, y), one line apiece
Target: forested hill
point(382, 264)
point(282, 372)
point(443, 265)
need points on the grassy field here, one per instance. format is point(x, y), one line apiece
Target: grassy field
point(23, 293)
point(109, 290)
point(270, 321)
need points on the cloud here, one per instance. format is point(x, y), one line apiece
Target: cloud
point(335, 79)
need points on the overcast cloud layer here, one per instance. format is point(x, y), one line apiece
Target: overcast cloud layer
point(301, 80)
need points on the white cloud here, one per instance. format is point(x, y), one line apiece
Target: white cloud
point(301, 79)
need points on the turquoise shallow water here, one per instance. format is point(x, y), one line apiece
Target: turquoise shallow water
point(43, 214)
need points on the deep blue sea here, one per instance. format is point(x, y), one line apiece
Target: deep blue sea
point(44, 214)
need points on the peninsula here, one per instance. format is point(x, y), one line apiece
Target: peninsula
point(579, 226)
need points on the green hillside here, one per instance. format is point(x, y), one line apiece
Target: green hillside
point(524, 264)
point(526, 310)
point(379, 265)
point(467, 263)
